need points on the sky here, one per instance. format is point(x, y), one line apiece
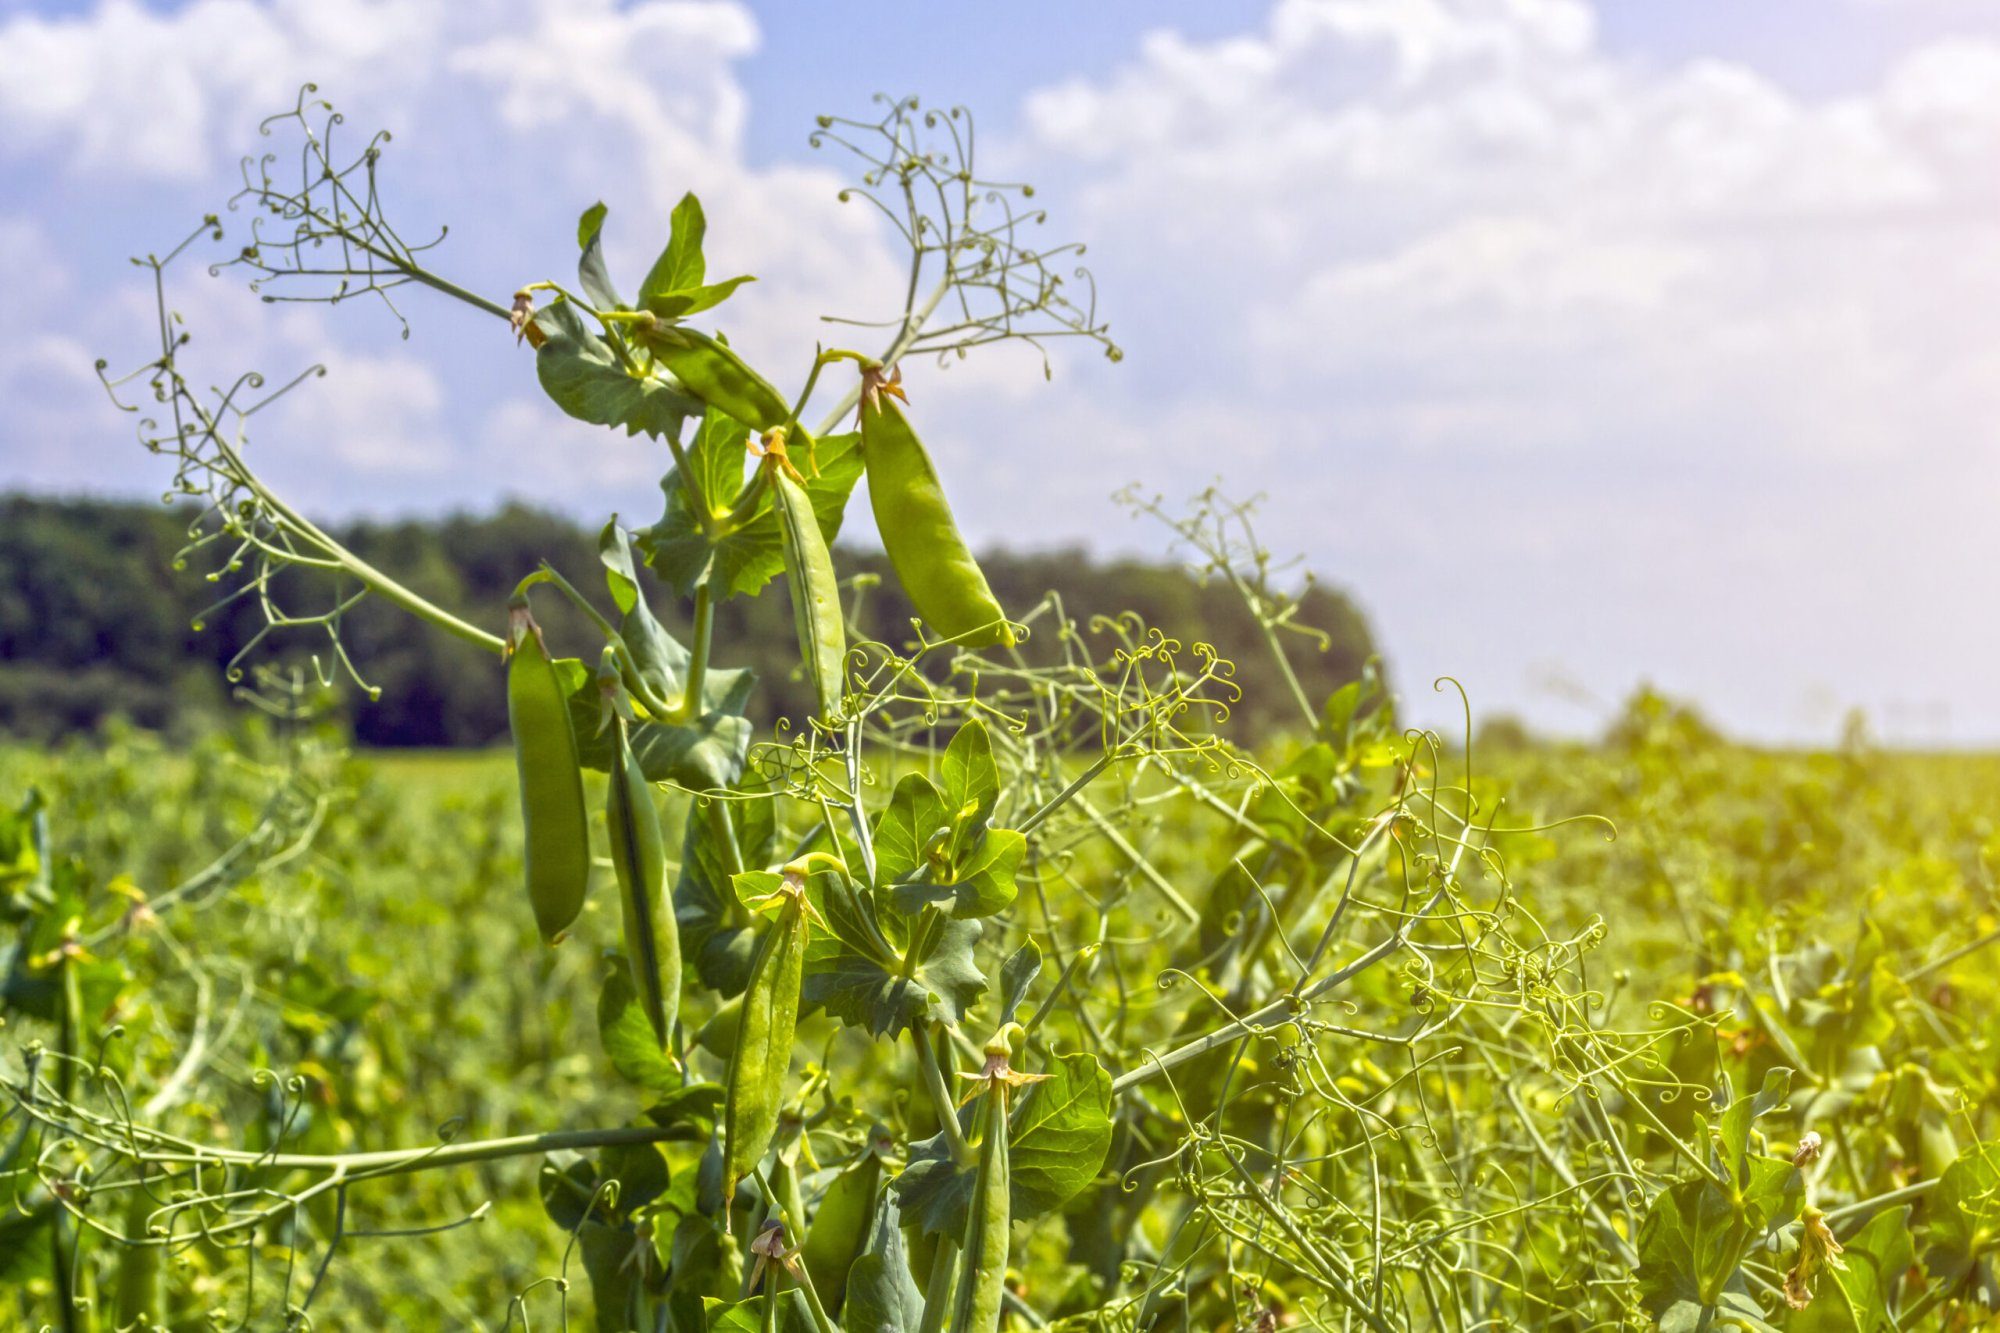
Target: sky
point(1584, 345)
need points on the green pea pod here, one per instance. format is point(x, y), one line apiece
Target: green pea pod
point(983, 1275)
point(756, 1082)
point(932, 561)
point(638, 854)
point(552, 807)
point(717, 376)
point(815, 589)
point(841, 1223)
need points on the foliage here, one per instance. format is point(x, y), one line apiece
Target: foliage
point(1015, 989)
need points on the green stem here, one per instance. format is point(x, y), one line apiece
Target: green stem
point(65, 1240)
point(1140, 863)
point(1061, 798)
point(913, 326)
point(940, 1093)
point(355, 567)
point(704, 637)
point(401, 1161)
point(938, 1290)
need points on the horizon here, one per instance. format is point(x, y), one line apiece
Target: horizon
point(1580, 346)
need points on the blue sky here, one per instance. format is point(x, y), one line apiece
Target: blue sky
point(1584, 344)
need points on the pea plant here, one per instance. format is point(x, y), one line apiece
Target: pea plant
point(1005, 988)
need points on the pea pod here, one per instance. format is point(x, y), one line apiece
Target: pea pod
point(815, 589)
point(841, 1223)
point(716, 375)
point(638, 854)
point(932, 561)
point(756, 1081)
point(552, 808)
point(983, 1275)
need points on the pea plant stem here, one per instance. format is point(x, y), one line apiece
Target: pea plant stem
point(355, 567)
point(940, 1092)
point(1284, 1007)
point(698, 655)
point(403, 1161)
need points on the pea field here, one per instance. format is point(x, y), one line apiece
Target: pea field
point(1007, 982)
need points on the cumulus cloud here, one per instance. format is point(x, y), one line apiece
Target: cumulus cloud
point(509, 118)
point(1637, 340)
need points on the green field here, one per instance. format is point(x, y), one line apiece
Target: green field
point(1779, 908)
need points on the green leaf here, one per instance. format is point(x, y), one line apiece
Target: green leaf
point(982, 884)
point(748, 1316)
point(1017, 974)
point(861, 987)
point(627, 1037)
point(568, 1186)
point(591, 273)
point(1058, 1137)
point(968, 776)
point(680, 266)
point(706, 754)
point(714, 935)
point(914, 815)
point(882, 1296)
point(582, 375)
point(922, 848)
point(640, 1172)
point(693, 1107)
point(1962, 1216)
point(1738, 1117)
point(694, 300)
point(660, 659)
point(751, 553)
point(615, 1289)
point(1855, 1297)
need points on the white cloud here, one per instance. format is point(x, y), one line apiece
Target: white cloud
point(1566, 321)
point(509, 116)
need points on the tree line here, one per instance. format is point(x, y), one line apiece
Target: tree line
point(96, 621)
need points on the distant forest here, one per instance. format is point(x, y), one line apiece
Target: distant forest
point(95, 621)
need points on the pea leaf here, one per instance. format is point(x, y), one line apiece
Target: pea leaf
point(660, 660)
point(923, 851)
point(1058, 1137)
point(694, 300)
point(865, 989)
point(1017, 974)
point(706, 754)
point(1855, 1298)
point(914, 814)
point(583, 376)
point(568, 1186)
point(969, 777)
point(615, 1289)
point(748, 1316)
point(751, 553)
point(680, 266)
point(627, 1037)
point(639, 1169)
point(711, 936)
point(591, 273)
point(980, 885)
point(881, 1294)
point(1962, 1215)
point(693, 1106)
